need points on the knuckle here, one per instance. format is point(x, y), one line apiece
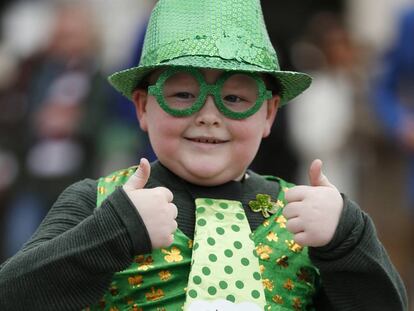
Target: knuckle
point(165, 193)
point(154, 192)
point(160, 189)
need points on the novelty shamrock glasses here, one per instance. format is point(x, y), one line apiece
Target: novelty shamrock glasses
point(183, 91)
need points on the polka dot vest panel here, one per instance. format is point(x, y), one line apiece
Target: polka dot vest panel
point(224, 266)
point(227, 267)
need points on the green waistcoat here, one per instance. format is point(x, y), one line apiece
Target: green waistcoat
point(157, 281)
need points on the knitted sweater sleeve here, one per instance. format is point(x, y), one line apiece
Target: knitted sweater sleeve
point(356, 272)
point(70, 260)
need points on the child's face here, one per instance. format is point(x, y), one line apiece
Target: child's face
point(205, 148)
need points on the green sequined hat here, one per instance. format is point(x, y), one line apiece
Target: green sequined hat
point(217, 34)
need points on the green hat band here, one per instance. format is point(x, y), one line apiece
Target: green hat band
point(226, 47)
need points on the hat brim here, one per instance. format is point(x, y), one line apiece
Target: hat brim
point(293, 83)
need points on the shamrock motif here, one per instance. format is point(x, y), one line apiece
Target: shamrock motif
point(264, 204)
point(144, 263)
point(164, 275)
point(172, 256)
point(263, 251)
point(135, 280)
point(268, 284)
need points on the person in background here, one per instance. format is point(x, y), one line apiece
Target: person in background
point(65, 97)
point(392, 100)
point(134, 142)
point(321, 123)
point(393, 94)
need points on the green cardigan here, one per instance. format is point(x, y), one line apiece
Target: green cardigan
point(70, 260)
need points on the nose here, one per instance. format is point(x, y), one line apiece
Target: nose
point(209, 114)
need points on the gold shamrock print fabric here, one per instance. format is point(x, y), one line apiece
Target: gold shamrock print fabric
point(284, 275)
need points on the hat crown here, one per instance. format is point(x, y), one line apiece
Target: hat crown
point(226, 29)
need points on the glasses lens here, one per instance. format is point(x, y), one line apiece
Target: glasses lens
point(240, 92)
point(181, 91)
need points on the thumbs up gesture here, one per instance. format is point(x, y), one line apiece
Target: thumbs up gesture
point(313, 211)
point(154, 206)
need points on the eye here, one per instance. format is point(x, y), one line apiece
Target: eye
point(233, 99)
point(184, 95)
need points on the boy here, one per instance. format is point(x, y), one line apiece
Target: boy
point(196, 230)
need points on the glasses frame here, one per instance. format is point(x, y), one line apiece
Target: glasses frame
point(206, 89)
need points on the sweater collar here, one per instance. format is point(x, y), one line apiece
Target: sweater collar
point(245, 189)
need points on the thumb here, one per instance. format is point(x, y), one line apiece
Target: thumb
point(316, 177)
point(140, 177)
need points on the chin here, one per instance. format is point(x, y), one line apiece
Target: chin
point(202, 171)
point(209, 175)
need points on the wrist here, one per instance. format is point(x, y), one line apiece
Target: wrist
point(346, 234)
point(138, 233)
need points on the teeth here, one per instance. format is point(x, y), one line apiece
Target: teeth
point(207, 140)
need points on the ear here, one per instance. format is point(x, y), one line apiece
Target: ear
point(272, 107)
point(139, 98)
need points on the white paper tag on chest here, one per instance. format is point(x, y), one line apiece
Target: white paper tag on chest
point(222, 305)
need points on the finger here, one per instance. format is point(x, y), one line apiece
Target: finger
point(166, 241)
point(316, 176)
point(296, 193)
point(166, 192)
point(295, 225)
point(174, 227)
point(140, 177)
point(174, 210)
point(301, 238)
point(292, 210)
point(170, 240)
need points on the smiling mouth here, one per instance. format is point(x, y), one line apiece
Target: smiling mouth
point(207, 140)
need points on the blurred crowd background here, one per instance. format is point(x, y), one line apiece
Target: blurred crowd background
point(60, 121)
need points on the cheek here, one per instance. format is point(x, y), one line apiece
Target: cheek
point(250, 130)
point(159, 122)
point(248, 137)
point(161, 131)
point(164, 130)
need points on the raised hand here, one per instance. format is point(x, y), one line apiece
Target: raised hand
point(313, 211)
point(154, 206)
